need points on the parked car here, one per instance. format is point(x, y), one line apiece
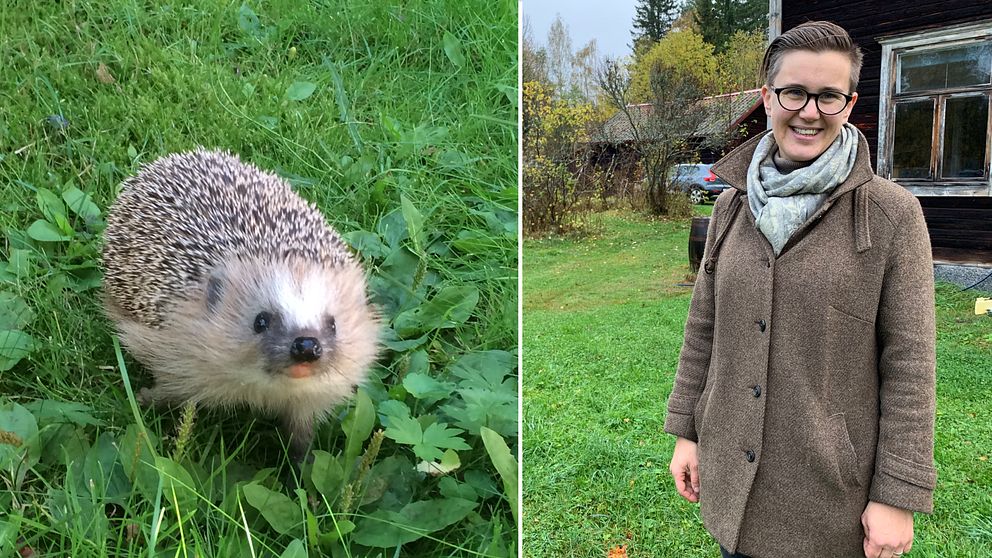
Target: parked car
point(698, 181)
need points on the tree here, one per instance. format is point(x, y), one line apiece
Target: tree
point(720, 19)
point(584, 64)
point(653, 19)
point(679, 51)
point(559, 55)
point(740, 62)
point(663, 130)
point(534, 59)
point(555, 138)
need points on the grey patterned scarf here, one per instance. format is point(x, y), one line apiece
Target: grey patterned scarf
point(781, 203)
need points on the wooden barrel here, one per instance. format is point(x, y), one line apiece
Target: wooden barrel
point(697, 241)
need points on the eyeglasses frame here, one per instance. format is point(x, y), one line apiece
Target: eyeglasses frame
point(816, 99)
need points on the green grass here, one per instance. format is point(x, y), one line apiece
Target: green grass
point(358, 104)
point(602, 329)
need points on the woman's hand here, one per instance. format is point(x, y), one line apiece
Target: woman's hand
point(888, 530)
point(685, 469)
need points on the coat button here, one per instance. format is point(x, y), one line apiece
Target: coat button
point(761, 324)
point(749, 455)
point(757, 391)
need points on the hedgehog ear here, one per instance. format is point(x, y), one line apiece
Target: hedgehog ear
point(215, 290)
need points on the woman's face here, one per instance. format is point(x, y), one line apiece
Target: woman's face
point(803, 135)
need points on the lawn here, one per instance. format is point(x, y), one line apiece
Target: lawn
point(399, 120)
point(602, 328)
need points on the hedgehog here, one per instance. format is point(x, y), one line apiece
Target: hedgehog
point(234, 291)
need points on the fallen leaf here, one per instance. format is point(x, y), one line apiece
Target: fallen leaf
point(103, 74)
point(617, 552)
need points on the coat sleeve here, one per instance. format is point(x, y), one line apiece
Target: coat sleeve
point(904, 473)
point(697, 345)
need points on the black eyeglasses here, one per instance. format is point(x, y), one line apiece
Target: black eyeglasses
point(796, 98)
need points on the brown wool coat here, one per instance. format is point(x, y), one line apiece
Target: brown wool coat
point(808, 379)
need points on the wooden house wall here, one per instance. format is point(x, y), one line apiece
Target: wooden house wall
point(754, 123)
point(960, 227)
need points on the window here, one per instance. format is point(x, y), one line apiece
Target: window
point(934, 127)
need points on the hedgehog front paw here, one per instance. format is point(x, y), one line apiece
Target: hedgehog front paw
point(146, 397)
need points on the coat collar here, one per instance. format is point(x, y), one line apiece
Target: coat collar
point(733, 167)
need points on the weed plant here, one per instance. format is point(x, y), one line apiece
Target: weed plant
point(399, 120)
point(603, 325)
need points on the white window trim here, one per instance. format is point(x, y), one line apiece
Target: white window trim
point(886, 108)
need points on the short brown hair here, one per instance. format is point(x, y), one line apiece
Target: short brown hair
point(815, 36)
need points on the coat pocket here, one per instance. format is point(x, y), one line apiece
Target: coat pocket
point(840, 446)
point(851, 360)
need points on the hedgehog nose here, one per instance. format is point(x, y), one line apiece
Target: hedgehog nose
point(305, 349)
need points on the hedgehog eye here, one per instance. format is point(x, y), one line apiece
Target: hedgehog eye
point(332, 328)
point(262, 322)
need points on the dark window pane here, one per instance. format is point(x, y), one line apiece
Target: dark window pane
point(942, 69)
point(965, 133)
point(913, 139)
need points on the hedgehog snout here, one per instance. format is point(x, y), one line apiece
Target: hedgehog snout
point(305, 349)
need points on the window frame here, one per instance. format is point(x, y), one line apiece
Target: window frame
point(938, 39)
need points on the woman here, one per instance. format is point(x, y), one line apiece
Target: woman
point(804, 400)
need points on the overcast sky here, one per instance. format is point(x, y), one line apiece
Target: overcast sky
point(608, 22)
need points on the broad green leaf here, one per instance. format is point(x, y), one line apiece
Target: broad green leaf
point(386, 529)
point(14, 312)
point(14, 345)
point(474, 242)
point(439, 435)
point(414, 223)
point(338, 529)
point(50, 204)
point(422, 386)
point(451, 307)
point(367, 243)
point(177, 484)
point(139, 461)
point(392, 341)
point(9, 529)
point(477, 407)
point(390, 409)
point(269, 122)
point(419, 363)
point(81, 204)
point(450, 488)
point(358, 425)
point(20, 262)
point(282, 513)
point(327, 474)
point(482, 482)
point(102, 475)
point(132, 153)
point(43, 231)
point(49, 411)
point(405, 430)
point(505, 464)
point(300, 90)
point(17, 421)
point(453, 49)
point(248, 21)
point(296, 549)
point(392, 227)
point(63, 443)
point(486, 370)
